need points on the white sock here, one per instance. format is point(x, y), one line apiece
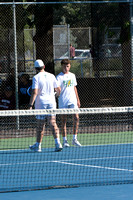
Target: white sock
point(74, 137)
point(64, 138)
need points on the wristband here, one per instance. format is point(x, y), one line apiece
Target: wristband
point(30, 105)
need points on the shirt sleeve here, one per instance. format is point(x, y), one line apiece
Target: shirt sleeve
point(59, 79)
point(75, 81)
point(34, 83)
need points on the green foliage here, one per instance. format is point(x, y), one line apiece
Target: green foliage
point(110, 64)
point(28, 40)
point(84, 68)
point(74, 14)
point(5, 15)
point(78, 67)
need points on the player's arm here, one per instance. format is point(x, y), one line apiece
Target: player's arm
point(77, 96)
point(58, 91)
point(57, 88)
point(33, 97)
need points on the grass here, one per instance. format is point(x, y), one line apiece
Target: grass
point(85, 139)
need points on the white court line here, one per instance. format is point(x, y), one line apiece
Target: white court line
point(98, 158)
point(64, 161)
point(67, 163)
point(25, 163)
point(13, 150)
point(94, 166)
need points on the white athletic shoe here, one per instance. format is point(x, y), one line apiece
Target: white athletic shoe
point(58, 147)
point(76, 143)
point(65, 144)
point(35, 147)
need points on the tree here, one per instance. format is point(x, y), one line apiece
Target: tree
point(48, 15)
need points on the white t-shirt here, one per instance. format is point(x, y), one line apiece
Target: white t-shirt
point(45, 83)
point(67, 82)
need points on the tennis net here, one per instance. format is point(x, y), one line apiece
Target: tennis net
point(105, 157)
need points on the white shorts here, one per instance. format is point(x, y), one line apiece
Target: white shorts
point(69, 106)
point(46, 106)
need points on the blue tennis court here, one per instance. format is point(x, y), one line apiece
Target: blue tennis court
point(73, 167)
point(104, 159)
point(116, 192)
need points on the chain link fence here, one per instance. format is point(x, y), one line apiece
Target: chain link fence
point(99, 32)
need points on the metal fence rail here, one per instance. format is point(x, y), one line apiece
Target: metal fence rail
point(90, 26)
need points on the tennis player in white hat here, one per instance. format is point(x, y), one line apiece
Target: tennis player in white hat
point(44, 85)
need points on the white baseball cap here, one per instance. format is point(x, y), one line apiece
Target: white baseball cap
point(38, 63)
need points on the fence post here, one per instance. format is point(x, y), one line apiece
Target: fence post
point(15, 59)
point(131, 32)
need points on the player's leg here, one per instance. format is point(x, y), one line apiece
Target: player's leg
point(55, 132)
point(39, 136)
point(40, 130)
point(63, 125)
point(75, 130)
point(64, 131)
point(75, 124)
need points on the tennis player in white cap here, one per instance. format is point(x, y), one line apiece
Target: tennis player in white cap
point(44, 85)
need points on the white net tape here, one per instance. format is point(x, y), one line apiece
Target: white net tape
point(66, 111)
